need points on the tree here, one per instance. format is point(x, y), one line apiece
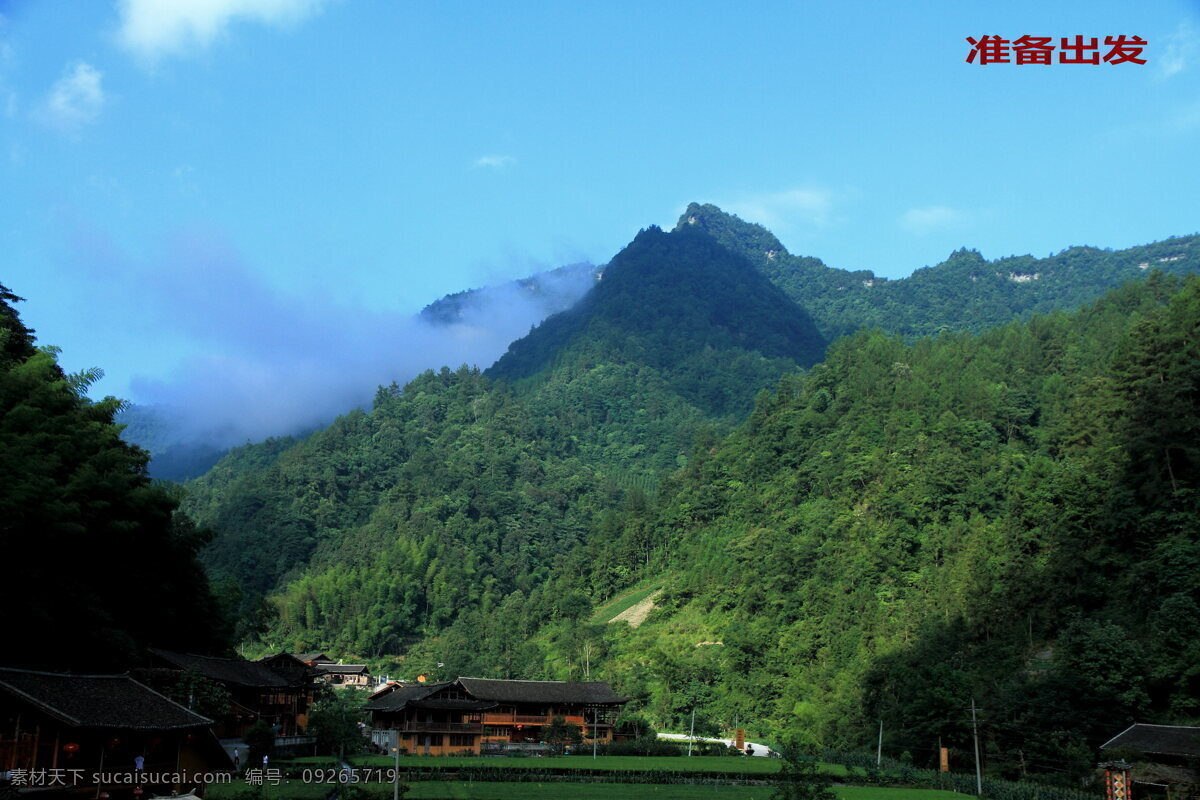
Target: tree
point(334, 721)
point(202, 695)
point(260, 741)
point(95, 555)
point(560, 734)
point(800, 777)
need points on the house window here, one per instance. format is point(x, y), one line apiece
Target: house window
point(462, 740)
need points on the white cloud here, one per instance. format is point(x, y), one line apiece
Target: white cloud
point(929, 219)
point(152, 28)
point(780, 210)
point(495, 162)
point(1179, 50)
point(76, 99)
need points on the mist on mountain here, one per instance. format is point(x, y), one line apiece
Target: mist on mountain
point(278, 365)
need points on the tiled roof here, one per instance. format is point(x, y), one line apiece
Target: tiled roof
point(400, 696)
point(313, 657)
point(98, 701)
point(284, 657)
point(1165, 740)
point(225, 670)
point(491, 691)
point(342, 669)
point(501, 691)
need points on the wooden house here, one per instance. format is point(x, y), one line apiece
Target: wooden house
point(257, 691)
point(83, 734)
point(474, 715)
point(312, 659)
point(291, 667)
point(1163, 756)
point(356, 675)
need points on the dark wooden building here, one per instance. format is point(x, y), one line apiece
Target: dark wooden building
point(356, 675)
point(1163, 756)
point(473, 715)
point(291, 667)
point(58, 732)
point(281, 697)
point(312, 659)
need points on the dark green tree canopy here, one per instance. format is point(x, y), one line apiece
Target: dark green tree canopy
point(95, 558)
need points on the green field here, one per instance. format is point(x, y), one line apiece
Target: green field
point(624, 600)
point(748, 766)
point(443, 790)
point(292, 790)
point(619, 791)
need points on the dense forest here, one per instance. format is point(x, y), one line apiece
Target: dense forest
point(97, 562)
point(1009, 517)
point(964, 292)
point(461, 490)
point(1002, 514)
point(842, 500)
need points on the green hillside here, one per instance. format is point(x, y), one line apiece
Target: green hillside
point(1006, 514)
point(964, 292)
point(685, 306)
point(456, 498)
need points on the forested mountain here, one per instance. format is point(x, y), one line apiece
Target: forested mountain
point(552, 291)
point(453, 494)
point(177, 454)
point(965, 292)
point(97, 564)
point(1007, 514)
point(1010, 516)
point(686, 306)
point(186, 443)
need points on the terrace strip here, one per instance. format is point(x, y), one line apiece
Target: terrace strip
point(712, 772)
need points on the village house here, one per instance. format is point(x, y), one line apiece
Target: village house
point(1162, 756)
point(356, 675)
point(475, 715)
point(291, 667)
point(76, 733)
point(275, 692)
point(319, 666)
point(312, 659)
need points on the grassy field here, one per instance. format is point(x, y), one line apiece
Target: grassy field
point(458, 790)
point(633, 791)
point(292, 790)
point(881, 793)
point(624, 601)
point(748, 766)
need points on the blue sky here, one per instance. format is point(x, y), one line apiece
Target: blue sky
point(200, 188)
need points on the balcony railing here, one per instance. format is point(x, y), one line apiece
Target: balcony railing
point(440, 727)
point(530, 719)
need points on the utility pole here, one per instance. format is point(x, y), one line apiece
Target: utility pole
point(692, 735)
point(978, 769)
point(396, 773)
point(879, 750)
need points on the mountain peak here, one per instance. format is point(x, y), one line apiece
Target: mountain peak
point(672, 301)
point(747, 238)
